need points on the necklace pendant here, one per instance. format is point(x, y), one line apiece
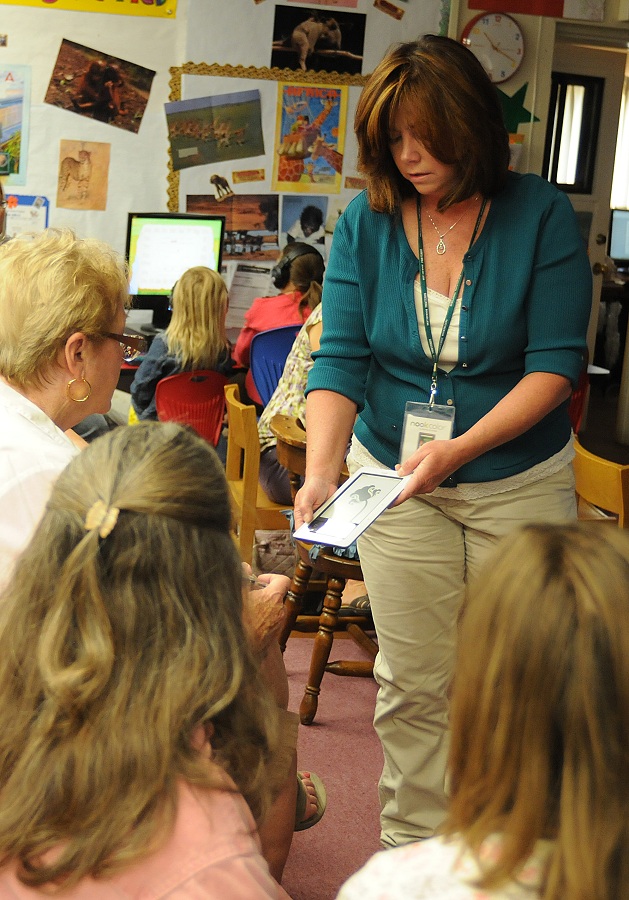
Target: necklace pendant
point(441, 247)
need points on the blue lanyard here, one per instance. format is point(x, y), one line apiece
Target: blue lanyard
point(436, 353)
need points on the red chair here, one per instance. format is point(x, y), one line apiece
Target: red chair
point(193, 398)
point(578, 399)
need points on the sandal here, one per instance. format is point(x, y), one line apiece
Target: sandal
point(302, 799)
point(359, 606)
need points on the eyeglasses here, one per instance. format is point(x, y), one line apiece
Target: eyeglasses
point(3, 203)
point(132, 344)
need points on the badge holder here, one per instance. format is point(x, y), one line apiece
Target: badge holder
point(424, 422)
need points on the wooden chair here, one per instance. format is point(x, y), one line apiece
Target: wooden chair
point(602, 488)
point(291, 453)
point(252, 508)
point(193, 398)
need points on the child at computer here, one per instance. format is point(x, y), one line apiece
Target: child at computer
point(539, 758)
point(194, 339)
point(138, 735)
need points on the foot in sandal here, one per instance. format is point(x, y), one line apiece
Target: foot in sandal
point(311, 800)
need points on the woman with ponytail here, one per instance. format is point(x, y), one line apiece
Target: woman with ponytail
point(139, 740)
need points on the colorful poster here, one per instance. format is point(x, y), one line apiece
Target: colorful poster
point(309, 138)
point(214, 129)
point(152, 8)
point(15, 104)
point(99, 86)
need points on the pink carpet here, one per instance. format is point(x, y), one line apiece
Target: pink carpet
point(342, 748)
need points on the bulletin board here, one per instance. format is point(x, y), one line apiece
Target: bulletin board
point(269, 118)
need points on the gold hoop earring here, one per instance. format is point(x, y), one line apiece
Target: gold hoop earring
point(78, 399)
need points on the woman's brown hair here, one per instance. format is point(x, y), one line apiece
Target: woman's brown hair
point(114, 649)
point(454, 110)
point(540, 709)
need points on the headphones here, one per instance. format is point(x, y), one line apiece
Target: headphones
point(280, 273)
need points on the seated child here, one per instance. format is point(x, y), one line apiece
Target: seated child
point(194, 339)
point(139, 740)
point(539, 760)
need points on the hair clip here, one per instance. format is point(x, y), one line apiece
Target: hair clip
point(102, 518)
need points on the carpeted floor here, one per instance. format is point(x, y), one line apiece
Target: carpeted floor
point(342, 748)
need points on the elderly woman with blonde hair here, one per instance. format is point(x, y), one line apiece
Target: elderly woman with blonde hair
point(62, 318)
point(139, 739)
point(539, 761)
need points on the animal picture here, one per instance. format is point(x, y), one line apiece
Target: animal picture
point(221, 186)
point(76, 170)
point(315, 32)
point(305, 40)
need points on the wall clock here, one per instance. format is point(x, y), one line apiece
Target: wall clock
point(497, 41)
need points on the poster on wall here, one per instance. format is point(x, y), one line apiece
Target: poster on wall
point(251, 223)
point(99, 86)
point(326, 42)
point(83, 175)
point(214, 129)
point(15, 104)
point(303, 219)
point(148, 8)
point(26, 214)
point(592, 10)
point(309, 138)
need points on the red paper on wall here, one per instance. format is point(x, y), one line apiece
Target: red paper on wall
point(553, 8)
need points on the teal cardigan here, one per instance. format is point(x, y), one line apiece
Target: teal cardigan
point(525, 308)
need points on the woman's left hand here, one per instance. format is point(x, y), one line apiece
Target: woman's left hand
point(429, 467)
point(264, 610)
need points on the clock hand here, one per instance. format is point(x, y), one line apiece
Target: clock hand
point(490, 41)
point(499, 50)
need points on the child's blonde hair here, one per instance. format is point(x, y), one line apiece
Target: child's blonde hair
point(540, 711)
point(196, 334)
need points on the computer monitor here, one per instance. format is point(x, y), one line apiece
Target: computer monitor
point(618, 242)
point(161, 247)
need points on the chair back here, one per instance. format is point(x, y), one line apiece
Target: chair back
point(601, 485)
point(252, 508)
point(193, 398)
point(267, 357)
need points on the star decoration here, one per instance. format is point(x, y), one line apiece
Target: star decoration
point(513, 109)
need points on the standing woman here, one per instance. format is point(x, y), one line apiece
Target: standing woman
point(195, 338)
point(454, 280)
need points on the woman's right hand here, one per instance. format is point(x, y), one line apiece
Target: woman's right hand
point(314, 492)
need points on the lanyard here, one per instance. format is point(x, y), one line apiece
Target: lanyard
point(436, 353)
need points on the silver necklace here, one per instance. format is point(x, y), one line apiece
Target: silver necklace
point(441, 247)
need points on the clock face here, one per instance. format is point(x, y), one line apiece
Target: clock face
point(497, 42)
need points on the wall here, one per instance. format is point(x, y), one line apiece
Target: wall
point(535, 72)
point(137, 173)
point(235, 32)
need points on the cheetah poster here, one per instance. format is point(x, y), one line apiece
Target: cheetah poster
point(309, 138)
point(83, 175)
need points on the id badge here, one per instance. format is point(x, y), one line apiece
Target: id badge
point(423, 423)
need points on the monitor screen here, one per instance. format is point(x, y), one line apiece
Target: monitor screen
point(618, 245)
point(160, 247)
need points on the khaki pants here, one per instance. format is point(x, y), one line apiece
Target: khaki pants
point(416, 560)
